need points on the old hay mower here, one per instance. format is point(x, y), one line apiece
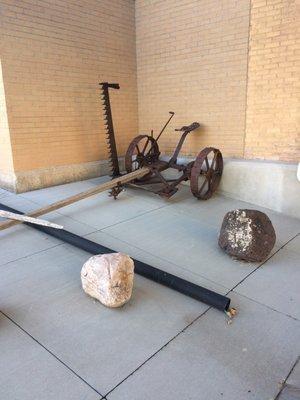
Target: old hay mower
point(204, 172)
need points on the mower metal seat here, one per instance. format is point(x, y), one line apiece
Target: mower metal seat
point(189, 128)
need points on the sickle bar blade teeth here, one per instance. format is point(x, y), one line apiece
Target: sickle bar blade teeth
point(108, 125)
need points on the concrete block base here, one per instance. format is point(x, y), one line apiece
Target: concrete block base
point(268, 184)
point(26, 181)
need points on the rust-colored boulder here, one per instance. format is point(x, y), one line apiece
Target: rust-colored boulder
point(247, 235)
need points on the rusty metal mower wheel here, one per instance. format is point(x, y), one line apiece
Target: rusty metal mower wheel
point(142, 151)
point(206, 173)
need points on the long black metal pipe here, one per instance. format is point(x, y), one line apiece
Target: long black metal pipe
point(180, 285)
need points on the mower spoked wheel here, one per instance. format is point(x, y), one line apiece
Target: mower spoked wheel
point(206, 173)
point(142, 151)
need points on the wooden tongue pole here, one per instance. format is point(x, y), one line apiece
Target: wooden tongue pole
point(139, 173)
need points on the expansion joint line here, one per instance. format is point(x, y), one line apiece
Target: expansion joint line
point(159, 350)
point(263, 263)
point(51, 353)
point(286, 378)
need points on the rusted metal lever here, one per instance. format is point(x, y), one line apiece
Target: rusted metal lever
point(166, 124)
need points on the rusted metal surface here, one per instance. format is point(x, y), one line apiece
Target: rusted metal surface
point(205, 172)
point(108, 122)
point(142, 151)
point(116, 190)
point(166, 124)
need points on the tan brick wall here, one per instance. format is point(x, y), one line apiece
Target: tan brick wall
point(273, 129)
point(197, 58)
point(6, 159)
point(53, 55)
point(192, 59)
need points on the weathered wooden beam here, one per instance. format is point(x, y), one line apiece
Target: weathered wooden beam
point(80, 196)
point(24, 218)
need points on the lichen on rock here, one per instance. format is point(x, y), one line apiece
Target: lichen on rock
point(240, 231)
point(247, 235)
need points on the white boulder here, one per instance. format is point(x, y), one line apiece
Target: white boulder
point(108, 278)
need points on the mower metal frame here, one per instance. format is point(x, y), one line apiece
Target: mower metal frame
point(157, 167)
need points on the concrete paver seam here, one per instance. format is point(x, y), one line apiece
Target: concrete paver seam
point(31, 254)
point(163, 259)
point(265, 305)
point(52, 354)
point(132, 218)
point(264, 262)
point(159, 350)
point(287, 377)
